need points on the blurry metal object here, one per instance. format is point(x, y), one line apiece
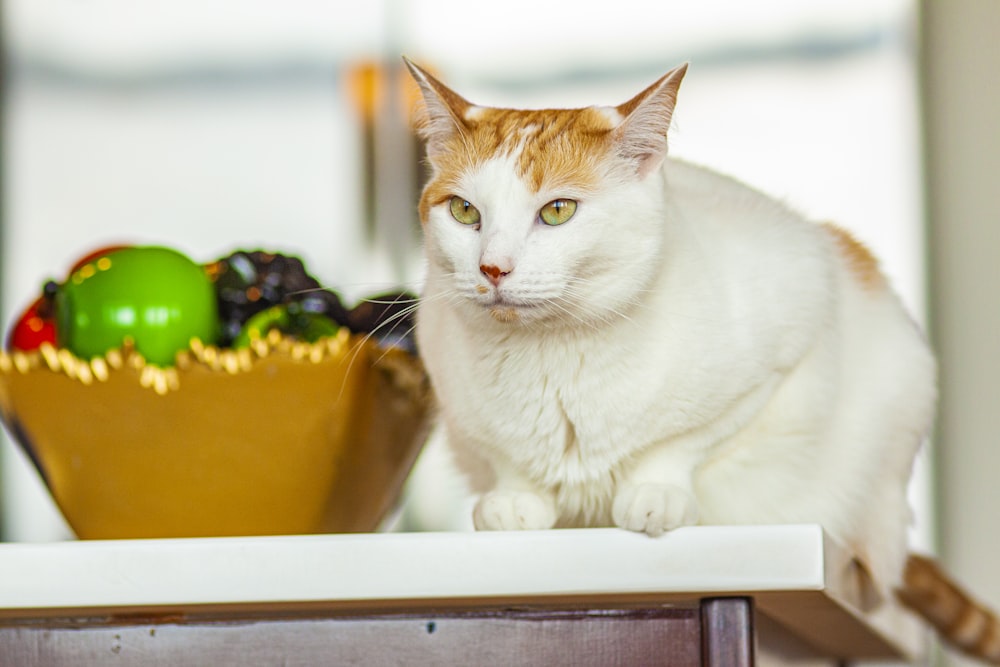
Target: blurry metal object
point(384, 97)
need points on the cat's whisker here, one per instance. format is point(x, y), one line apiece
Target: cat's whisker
point(559, 303)
point(393, 319)
point(387, 349)
point(606, 315)
point(635, 301)
point(371, 286)
point(390, 322)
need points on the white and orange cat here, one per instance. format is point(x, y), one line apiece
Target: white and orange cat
point(617, 338)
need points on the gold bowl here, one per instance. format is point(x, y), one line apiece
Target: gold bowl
point(283, 437)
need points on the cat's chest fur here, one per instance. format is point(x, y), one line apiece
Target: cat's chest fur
point(543, 403)
point(547, 409)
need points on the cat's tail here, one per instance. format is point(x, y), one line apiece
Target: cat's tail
point(959, 619)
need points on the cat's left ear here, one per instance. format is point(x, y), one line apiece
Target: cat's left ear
point(642, 135)
point(444, 110)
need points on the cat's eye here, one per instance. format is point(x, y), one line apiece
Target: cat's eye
point(464, 212)
point(558, 211)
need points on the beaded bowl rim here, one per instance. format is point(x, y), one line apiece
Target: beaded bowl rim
point(163, 379)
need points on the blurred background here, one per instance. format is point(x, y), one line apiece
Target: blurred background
point(212, 125)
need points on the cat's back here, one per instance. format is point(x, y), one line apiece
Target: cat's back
point(736, 254)
point(729, 214)
point(726, 205)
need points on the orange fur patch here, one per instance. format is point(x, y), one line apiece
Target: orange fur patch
point(554, 149)
point(505, 315)
point(859, 260)
point(961, 619)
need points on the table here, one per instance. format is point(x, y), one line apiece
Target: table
point(696, 596)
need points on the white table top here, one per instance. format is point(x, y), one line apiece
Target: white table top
point(798, 576)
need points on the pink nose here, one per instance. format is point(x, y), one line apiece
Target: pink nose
point(493, 273)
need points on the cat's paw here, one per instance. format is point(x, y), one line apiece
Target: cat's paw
point(513, 510)
point(653, 508)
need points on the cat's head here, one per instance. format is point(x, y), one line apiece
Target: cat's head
point(536, 216)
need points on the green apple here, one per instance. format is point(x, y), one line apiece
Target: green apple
point(154, 296)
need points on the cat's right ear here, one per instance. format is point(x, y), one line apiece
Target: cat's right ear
point(642, 135)
point(444, 111)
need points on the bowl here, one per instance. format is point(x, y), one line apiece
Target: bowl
point(283, 437)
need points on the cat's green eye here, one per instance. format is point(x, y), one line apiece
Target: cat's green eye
point(557, 212)
point(464, 212)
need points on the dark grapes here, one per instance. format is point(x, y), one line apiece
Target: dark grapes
point(248, 282)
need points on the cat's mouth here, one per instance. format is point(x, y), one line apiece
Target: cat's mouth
point(508, 310)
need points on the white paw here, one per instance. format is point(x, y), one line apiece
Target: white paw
point(513, 510)
point(653, 508)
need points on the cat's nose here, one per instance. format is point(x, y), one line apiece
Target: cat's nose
point(493, 273)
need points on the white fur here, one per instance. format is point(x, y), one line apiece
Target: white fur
point(685, 350)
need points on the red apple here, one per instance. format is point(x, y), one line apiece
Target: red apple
point(34, 327)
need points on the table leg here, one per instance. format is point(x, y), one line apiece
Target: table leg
point(727, 634)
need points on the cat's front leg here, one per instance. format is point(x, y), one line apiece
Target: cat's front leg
point(656, 494)
point(514, 504)
point(514, 510)
point(654, 508)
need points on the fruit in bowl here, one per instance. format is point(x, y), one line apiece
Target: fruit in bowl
point(285, 435)
point(34, 327)
point(155, 297)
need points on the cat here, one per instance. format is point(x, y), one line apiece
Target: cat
point(620, 338)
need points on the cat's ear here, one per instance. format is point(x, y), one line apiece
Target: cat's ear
point(642, 136)
point(444, 111)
